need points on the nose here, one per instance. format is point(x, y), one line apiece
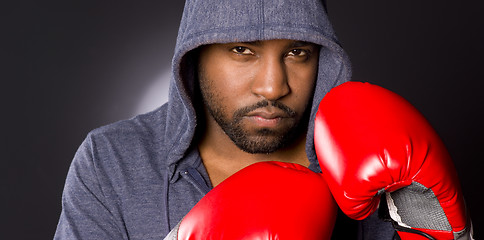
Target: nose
point(270, 81)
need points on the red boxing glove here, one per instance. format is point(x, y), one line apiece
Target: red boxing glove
point(267, 200)
point(370, 141)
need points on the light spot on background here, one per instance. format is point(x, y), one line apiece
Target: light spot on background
point(155, 94)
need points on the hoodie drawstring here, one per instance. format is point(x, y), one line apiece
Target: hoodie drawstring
point(166, 184)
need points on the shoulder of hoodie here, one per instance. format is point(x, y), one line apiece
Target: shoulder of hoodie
point(131, 141)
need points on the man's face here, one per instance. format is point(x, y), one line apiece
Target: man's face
point(258, 92)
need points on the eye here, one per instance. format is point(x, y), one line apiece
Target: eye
point(298, 53)
point(242, 50)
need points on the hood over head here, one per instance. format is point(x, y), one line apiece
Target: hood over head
point(224, 21)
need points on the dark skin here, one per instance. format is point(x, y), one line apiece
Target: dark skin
point(237, 76)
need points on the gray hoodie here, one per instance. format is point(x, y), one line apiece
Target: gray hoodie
point(136, 179)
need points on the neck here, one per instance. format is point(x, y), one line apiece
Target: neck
point(222, 157)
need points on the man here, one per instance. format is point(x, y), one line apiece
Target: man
point(247, 79)
point(255, 95)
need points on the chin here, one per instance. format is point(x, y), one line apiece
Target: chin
point(260, 144)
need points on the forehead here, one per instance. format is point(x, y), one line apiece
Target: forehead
point(272, 42)
point(285, 42)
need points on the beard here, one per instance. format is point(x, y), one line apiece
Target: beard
point(255, 141)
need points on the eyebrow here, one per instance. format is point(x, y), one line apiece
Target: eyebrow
point(255, 43)
point(301, 44)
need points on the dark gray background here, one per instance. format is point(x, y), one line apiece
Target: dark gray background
point(70, 66)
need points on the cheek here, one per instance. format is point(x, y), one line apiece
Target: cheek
point(302, 82)
point(224, 87)
point(231, 83)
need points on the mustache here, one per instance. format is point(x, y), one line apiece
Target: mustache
point(264, 103)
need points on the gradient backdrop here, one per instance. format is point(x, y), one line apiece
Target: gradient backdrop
point(70, 66)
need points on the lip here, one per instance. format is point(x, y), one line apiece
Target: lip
point(267, 115)
point(265, 118)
